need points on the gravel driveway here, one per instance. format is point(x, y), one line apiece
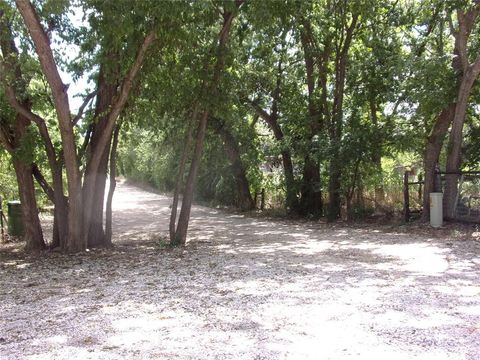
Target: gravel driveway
point(243, 288)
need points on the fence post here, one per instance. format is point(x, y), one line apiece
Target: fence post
point(1, 222)
point(262, 200)
point(406, 198)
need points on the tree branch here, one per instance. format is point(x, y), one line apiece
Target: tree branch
point(5, 139)
point(258, 109)
point(83, 106)
point(118, 106)
point(47, 189)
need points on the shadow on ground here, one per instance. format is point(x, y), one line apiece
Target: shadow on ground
point(243, 288)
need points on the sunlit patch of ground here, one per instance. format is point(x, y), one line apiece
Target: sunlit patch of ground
point(243, 288)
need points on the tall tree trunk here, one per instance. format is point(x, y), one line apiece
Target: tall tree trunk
point(96, 233)
point(244, 197)
point(181, 172)
point(59, 91)
point(291, 193)
point(456, 137)
point(377, 158)
point(469, 73)
point(113, 184)
point(212, 89)
point(106, 93)
point(184, 217)
point(96, 164)
point(33, 231)
point(432, 153)
point(12, 135)
point(311, 202)
point(334, 185)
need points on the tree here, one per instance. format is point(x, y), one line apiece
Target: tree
point(80, 201)
point(469, 71)
point(200, 115)
point(14, 129)
point(466, 72)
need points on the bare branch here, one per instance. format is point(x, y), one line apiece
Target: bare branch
point(47, 189)
point(87, 100)
point(258, 109)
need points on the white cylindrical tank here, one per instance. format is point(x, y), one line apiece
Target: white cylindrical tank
point(436, 209)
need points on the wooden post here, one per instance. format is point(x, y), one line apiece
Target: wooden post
point(262, 200)
point(420, 188)
point(406, 198)
point(2, 239)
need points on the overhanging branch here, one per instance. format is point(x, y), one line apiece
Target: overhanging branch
point(81, 110)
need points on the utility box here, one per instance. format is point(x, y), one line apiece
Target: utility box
point(15, 220)
point(436, 209)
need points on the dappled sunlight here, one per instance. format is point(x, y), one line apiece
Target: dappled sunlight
point(245, 288)
point(420, 258)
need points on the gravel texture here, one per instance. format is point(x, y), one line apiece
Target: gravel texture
point(243, 288)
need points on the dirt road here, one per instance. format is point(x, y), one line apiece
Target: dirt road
point(243, 288)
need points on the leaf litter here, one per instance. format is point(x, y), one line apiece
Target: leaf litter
point(243, 288)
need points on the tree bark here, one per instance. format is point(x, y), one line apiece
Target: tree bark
point(453, 114)
point(432, 153)
point(23, 109)
point(336, 125)
point(212, 89)
point(97, 157)
point(106, 92)
point(272, 122)
point(244, 200)
point(184, 217)
point(311, 201)
point(12, 136)
point(377, 157)
point(59, 91)
point(334, 184)
point(456, 137)
point(181, 172)
point(33, 231)
point(111, 189)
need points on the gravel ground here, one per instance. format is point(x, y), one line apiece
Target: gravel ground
point(243, 288)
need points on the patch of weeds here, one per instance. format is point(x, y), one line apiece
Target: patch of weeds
point(162, 242)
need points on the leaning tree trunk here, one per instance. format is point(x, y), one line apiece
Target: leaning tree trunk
point(179, 180)
point(469, 72)
point(184, 217)
point(102, 144)
point(454, 157)
point(244, 197)
point(113, 185)
point(60, 98)
point(432, 154)
point(95, 178)
point(33, 230)
point(55, 195)
point(212, 88)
